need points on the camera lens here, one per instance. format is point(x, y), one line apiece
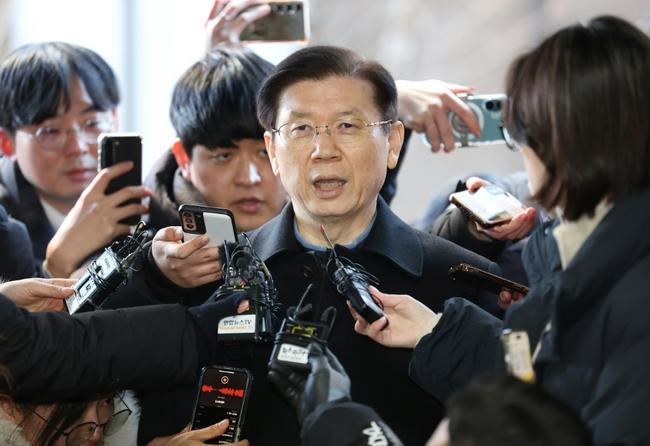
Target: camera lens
point(493, 105)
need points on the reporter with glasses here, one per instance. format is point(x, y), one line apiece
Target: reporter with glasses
point(95, 421)
point(50, 362)
point(332, 134)
point(55, 100)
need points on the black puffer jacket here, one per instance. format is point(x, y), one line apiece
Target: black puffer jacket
point(594, 357)
point(52, 355)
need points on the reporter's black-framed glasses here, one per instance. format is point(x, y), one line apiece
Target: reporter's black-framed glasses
point(83, 432)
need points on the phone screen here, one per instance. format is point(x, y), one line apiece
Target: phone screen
point(223, 393)
point(489, 205)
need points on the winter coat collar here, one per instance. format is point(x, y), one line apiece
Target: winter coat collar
point(570, 235)
point(616, 244)
point(389, 237)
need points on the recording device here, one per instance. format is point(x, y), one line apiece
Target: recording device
point(288, 21)
point(489, 206)
point(351, 281)
point(516, 349)
point(223, 393)
point(217, 223)
point(487, 109)
point(298, 331)
point(106, 273)
point(471, 275)
point(245, 272)
point(115, 148)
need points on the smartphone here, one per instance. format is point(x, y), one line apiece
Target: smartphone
point(489, 206)
point(288, 21)
point(115, 148)
point(223, 393)
point(217, 223)
point(488, 112)
point(471, 275)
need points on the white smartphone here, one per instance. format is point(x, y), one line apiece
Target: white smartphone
point(217, 223)
point(489, 206)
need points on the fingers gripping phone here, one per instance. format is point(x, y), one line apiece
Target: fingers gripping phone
point(217, 223)
point(115, 148)
point(488, 112)
point(471, 275)
point(288, 21)
point(223, 393)
point(489, 206)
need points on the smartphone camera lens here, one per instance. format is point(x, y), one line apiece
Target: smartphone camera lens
point(493, 105)
point(188, 221)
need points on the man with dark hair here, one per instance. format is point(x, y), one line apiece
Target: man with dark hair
point(220, 159)
point(55, 100)
point(331, 134)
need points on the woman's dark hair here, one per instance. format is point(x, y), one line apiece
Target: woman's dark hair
point(581, 101)
point(501, 410)
point(320, 62)
point(213, 103)
point(35, 79)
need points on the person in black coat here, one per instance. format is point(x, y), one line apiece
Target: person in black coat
point(587, 324)
point(52, 355)
point(55, 100)
point(337, 186)
point(16, 247)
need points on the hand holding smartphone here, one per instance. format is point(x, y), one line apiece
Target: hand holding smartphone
point(223, 393)
point(115, 148)
point(489, 205)
point(288, 21)
point(488, 112)
point(485, 280)
point(217, 223)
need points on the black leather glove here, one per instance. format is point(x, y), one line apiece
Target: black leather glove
point(207, 317)
point(305, 390)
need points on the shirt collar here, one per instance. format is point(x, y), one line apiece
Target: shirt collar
point(353, 244)
point(53, 216)
point(389, 237)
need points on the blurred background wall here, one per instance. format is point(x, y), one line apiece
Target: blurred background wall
point(150, 43)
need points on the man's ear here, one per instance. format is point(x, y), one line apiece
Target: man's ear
point(6, 143)
point(182, 159)
point(270, 149)
point(395, 140)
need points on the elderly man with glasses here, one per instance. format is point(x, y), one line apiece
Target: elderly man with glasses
point(331, 133)
point(55, 100)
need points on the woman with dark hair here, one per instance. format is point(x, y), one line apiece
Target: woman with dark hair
point(579, 108)
point(67, 423)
